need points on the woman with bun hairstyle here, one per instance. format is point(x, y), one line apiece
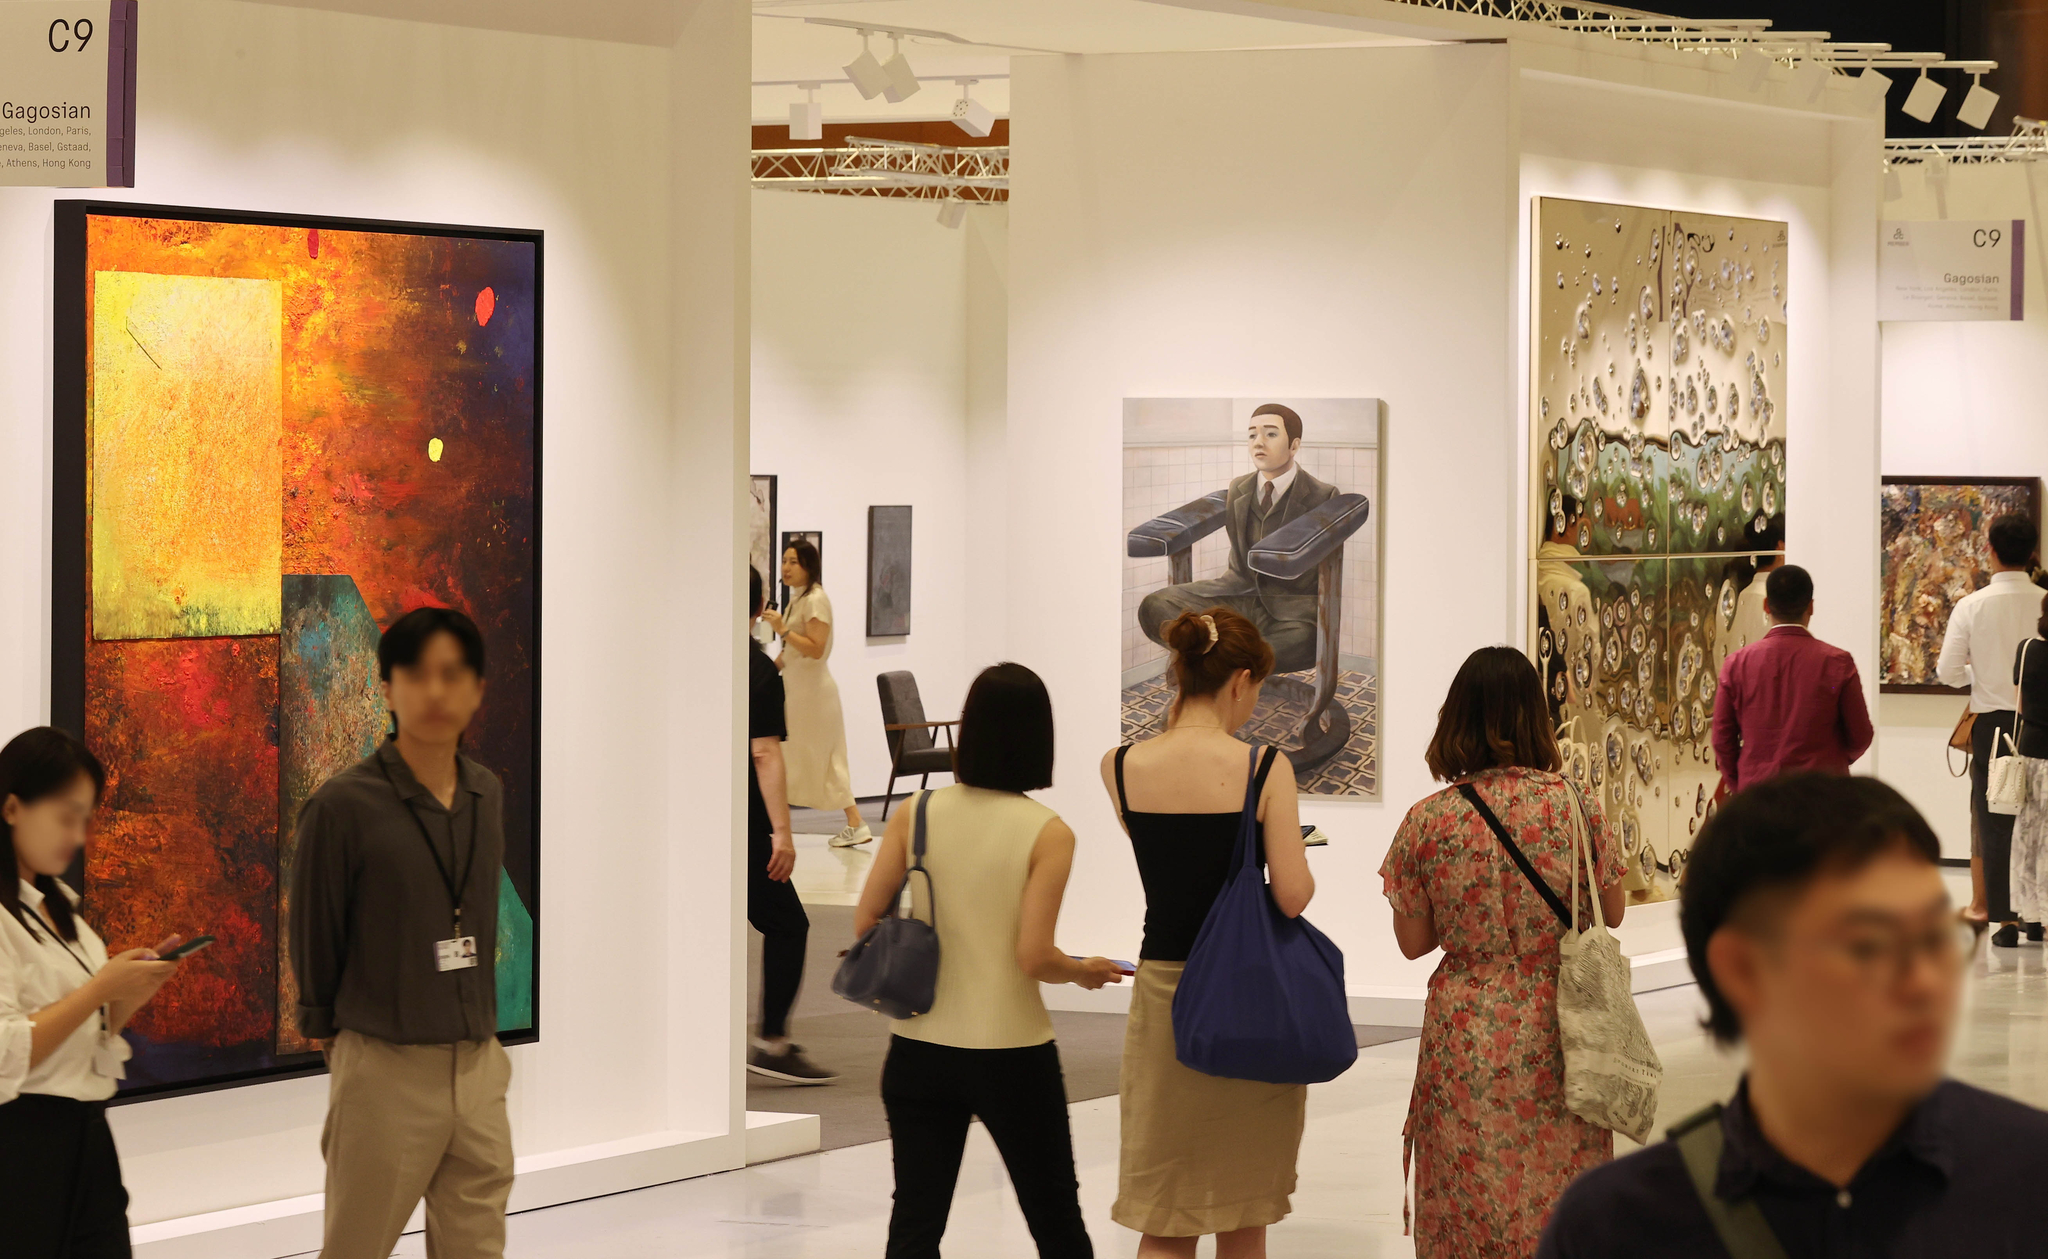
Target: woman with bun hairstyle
point(1202, 1154)
point(63, 1003)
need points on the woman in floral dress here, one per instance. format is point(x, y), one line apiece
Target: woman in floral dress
point(1491, 1141)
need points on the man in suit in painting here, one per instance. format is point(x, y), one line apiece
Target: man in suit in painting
point(1276, 491)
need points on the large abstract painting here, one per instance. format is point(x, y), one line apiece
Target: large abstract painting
point(1932, 530)
point(274, 435)
point(1199, 531)
point(1657, 464)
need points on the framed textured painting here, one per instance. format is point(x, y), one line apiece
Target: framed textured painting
point(761, 532)
point(1931, 535)
point(273, 436)
point(888, 572)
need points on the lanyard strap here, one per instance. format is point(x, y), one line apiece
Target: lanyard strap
point(456, 887)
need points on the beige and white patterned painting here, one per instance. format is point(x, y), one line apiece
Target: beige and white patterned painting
point(1193, 535)
point(1657, 422)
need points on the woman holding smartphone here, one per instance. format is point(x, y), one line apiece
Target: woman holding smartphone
point(63, 1003)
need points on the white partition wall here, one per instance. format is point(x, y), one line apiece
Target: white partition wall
point(1353, 222)
point(630, 156)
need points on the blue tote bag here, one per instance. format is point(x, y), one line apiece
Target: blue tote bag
point(1262, 997)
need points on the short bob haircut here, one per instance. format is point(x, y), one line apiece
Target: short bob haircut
point(401, 645)
point(1777, 837)
point(1005, 731)
point(1493, 717)
point(2013, 538)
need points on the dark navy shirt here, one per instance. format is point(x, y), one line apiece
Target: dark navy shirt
point(1965, 1175)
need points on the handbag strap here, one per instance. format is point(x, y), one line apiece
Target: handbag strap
point(1741, 1226)
point(1500, 832)
point(931, 895)
point(1244, 854)
point(1123, 802)
point(1582, 841)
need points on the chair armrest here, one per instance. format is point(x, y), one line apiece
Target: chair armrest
point(1180, 528)
point(1296, 548)
point(918, 725)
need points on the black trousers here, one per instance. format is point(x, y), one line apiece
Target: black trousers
point(61, 1195)
point(1991, 833)
point(931, 1092)
point(776, 912)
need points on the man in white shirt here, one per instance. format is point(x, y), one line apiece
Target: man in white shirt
point(1985, 631)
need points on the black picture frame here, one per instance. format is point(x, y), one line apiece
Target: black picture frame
point(889, 574)
point(817, 539)
point(69, 577)
point(2033, 487)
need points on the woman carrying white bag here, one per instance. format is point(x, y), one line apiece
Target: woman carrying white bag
point(1532, 1054)
point(2026, 786)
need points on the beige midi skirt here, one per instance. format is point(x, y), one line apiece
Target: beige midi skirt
point(1201, 1154)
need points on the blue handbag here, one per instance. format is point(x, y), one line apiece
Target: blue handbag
point(1262, 996)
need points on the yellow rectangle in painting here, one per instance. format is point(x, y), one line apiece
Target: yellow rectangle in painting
point(187, 414)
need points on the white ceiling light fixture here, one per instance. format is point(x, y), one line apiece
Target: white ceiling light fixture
point(1812, 78)
point(807, 116)
point(1924, 99)
point(1936, 170)
point(1976, 108)
point(902, 79)
point(970, 115)
point(1874, 82)
point(1756, 66)
point(1893, 188)
point(866, 73)
point(952, 212)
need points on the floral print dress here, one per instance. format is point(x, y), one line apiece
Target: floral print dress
point(1492, 1143)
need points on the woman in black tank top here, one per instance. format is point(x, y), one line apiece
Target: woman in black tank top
point(1178, 1182)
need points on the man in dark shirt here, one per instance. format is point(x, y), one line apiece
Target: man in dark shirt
point(1788, 701)
point(394, 928)
point(772, 903)
point(1821, 932)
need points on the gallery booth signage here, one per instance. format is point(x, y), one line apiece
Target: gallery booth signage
point(67, 94)
point(1952, 270)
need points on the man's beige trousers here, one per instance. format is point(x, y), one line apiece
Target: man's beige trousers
point(412, 1121)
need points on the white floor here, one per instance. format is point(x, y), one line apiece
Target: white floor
point(825, 1206)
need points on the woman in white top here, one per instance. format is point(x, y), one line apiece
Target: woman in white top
point(998, 862)
point(63, 1003)
point(815, 752)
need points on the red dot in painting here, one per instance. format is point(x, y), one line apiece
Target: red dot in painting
point(312, 242)
point(486, 302)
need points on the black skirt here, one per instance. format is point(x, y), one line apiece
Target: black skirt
point(61, 1195)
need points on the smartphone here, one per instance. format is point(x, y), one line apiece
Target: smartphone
point(1123, 968)
point(187, 949)
point(1312, 837)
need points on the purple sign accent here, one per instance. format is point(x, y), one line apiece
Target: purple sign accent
point(121, 94)
point(2019, 268)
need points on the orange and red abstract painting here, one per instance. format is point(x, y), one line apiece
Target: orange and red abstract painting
point(274, 436)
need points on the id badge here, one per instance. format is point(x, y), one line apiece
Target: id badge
point(456, 954)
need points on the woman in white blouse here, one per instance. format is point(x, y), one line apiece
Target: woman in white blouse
point(63, 1003)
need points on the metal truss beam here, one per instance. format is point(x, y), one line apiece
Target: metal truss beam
point(889, 168)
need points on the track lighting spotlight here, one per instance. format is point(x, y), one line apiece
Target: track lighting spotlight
point(807, 116)
point(1924, 99)
point(902, 80)
point(970, 115)
point(1755, 67)
point(1976, 108)
point(1874, 82)
point(866, 73)
point(1893, 188)
point(952, 212)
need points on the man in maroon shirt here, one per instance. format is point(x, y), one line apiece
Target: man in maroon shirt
point(1788, 701)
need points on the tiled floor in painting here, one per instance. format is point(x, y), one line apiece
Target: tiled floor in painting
point(835, 1205)
point(1353, 771)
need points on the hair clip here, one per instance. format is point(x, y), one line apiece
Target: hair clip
point(1210, 621)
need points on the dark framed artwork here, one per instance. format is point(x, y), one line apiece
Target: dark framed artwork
point(816, 537)
point(761, 551)
point(888, 572)
point(274, 434)
point(1931, 531)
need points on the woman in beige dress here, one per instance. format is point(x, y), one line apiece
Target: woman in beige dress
point(1202, 1154)
point(816, 751)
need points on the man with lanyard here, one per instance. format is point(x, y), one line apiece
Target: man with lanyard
point(394, 924)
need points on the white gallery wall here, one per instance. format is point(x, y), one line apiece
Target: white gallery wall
point(288, 109)
point(1179, 229)
point(1961, 399)
point(860, 398)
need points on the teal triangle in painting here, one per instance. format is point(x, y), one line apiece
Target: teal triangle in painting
point(514, 959)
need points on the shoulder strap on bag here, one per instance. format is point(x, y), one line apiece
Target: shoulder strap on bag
point(1557, 906)
point(1741, 1226)
point(931, 896)
point(1123, 802)
point(1265, 768)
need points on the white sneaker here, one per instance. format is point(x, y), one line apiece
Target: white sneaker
point(852, 837)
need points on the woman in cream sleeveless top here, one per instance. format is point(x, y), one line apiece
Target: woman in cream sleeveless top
point(998, 862)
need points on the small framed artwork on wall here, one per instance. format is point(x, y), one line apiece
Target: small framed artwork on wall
point(761, 536)
point(888, 572)
point(1932, 533)
point(816, 538)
